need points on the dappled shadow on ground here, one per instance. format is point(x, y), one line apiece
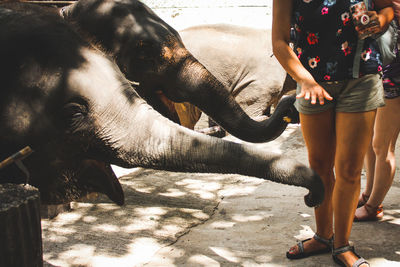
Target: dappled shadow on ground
point(240, 221)
point(159, 207)
point(258, 227)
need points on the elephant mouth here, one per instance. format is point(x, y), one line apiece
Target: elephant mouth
point(68, 181)
point(71, 181)
point(97, 176)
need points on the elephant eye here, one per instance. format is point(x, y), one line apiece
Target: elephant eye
point(74, 112)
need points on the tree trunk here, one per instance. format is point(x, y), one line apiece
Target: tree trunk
point(20, 226)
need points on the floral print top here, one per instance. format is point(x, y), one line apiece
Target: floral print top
point(325, 40)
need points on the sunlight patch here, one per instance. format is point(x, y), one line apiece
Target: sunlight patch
point(139, 252)
point(141, 225)
point(392, 216)
point(251, 218)
point(242, 191)
point(146, 190)
point(263, 258)
point(102, 206)
point(199, 215)
point(119, 171)
point(225, 253)
point(56, 238)
point(202, 260)
point(193, 184)
point(167, 229)
point(151, 210)
point(106, 228)
point(120, 213)
point(89, 219)
point(305, 232)
point(204, 194)
point(68, 217)
point(173, 192)
point(75, 252)
point(222, 224)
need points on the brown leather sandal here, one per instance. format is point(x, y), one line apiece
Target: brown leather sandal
point(362, 200)
point(373, 213)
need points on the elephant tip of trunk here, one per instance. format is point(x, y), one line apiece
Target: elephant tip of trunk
point(120, 201)
point(314, 198)
point(316, 189)
point(311, 201)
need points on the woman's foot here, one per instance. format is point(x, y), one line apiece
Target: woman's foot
point(346, 256)
point(309, 247)
point(362, 200)
point(368, 213)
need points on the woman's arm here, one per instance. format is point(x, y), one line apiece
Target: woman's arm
point(385, 12)
point(281, 18)
point(380, 18)
point(396, 8)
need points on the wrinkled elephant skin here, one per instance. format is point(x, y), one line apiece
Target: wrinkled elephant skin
point(79, 114)
point(242, 59)
point(150, 52)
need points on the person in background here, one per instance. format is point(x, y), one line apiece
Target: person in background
point(338, 129)
point(380, 162)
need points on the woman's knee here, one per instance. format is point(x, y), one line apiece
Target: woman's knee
point(348, 173)
point(381, 149)
point(324, 168)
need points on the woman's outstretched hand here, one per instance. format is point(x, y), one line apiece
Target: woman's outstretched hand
point(312, 90)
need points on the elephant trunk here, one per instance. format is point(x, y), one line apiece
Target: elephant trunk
point(161, 144)
point(195, 84)
point(184, 79)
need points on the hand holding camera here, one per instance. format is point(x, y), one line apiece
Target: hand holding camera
point(366, 22)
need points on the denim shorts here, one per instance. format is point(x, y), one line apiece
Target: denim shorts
point(352, 95)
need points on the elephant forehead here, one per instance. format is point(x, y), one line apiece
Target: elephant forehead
point(97, 75)
point(105, 7)
point(34, 75)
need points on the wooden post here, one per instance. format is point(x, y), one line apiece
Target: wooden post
point(20, 226)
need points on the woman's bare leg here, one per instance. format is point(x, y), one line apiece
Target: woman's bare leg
point(369, 163)
point(319, 135)
point(387, 127)
point(353, 135)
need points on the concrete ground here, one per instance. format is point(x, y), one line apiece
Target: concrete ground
point(182, 219)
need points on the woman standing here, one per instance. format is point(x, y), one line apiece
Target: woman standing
point(380, 159)
point(337, 130)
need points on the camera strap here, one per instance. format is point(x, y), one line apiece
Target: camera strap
point(357, 58)
point(357, 55)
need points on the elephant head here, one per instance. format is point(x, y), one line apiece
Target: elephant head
point(151, 52)
point(75, 109)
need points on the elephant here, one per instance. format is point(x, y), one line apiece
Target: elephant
point(151, 52)
point(71, 104)
point(242, 59)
